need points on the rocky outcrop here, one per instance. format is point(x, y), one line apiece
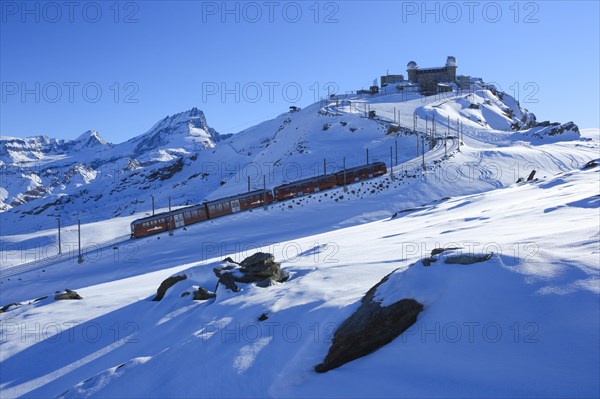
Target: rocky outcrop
point(10, 306)
point(259, 268)
point(369, 328)
point(591, 164)
point(467, 259)
point(6, 308)
point(165, 285)
point(457, 259)
point(202, 294)
point(66, 295)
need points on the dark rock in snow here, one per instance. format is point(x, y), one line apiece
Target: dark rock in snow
point(428, 261)
point(39, 299)
point(202, 294)
point(67, 294)
point(7, 307)
point(259, 268)
point(591, 164)
point(458, 258)
point(165, 285)
point(531, 175)
point(467, 259)
point(369, 328)
point(266, 283)
point(259, 259)
point(229, 281)
point(263, 317)
point(436, 251)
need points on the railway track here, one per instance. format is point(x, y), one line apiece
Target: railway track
point(70, 256)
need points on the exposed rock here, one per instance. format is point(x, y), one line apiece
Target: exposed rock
point(434, 252)
point(228, 281)
point(259, 268)
point(202, 294)
point(531, 175)
point(462, 259)
point(67, 294)
point(7, 307)
point(229, 260)
point(165, 285)
point(591, 164)
point(266, 283)
point(467, 259)
point(428, 261)
point(259, 259)
point(263, 317)
point(39, 299)
point(369, 328)
point(437, 251)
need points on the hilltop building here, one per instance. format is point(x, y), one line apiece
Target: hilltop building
point(429, 78)
point(388, 79)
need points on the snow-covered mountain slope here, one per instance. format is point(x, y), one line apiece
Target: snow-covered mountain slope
point(177, 134)
point(523, 323)
point(182, 158)
point(51, 178)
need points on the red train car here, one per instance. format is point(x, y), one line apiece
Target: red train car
point(238, 203)
point(241, 202)
point(304, 186)
point(160, 222)
point(359, 173)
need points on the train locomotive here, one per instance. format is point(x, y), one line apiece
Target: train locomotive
point(166, 221)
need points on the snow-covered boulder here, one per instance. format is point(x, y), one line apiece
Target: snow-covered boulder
point(259, 268)
point(67, 294)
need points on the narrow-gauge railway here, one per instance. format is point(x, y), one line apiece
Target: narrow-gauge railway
point(166, 221)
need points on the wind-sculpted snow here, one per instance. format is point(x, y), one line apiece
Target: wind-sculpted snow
point(523, 322)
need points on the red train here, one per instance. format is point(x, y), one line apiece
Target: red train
point(304, 186)
point(225, 206)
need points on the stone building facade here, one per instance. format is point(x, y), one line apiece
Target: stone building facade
point(428, 78)
point(389, 79)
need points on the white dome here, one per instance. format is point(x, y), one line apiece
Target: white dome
point(411, 65)
point(451, 61)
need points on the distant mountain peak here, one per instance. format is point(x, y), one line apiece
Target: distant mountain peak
point(181, 130)
point(90, 138)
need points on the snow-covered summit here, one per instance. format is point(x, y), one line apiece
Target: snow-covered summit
point(91, 138)
point(186, 130)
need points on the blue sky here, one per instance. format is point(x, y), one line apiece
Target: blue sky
point(120, 68)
